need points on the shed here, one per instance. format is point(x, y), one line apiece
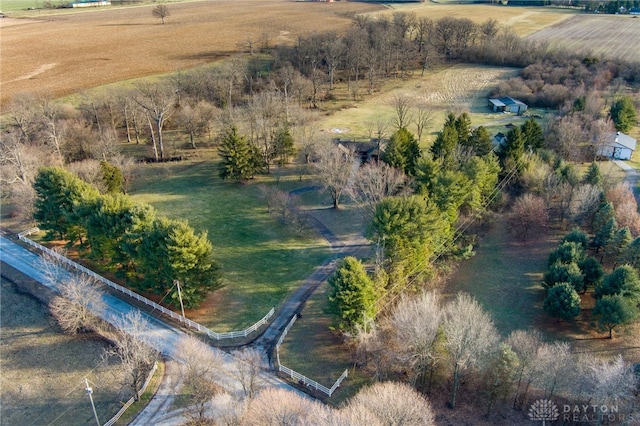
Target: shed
point(507, 104)
point(618, 146)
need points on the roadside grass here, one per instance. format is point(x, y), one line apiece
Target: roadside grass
point(312, 349)
point(261, 259)
point(43, 370)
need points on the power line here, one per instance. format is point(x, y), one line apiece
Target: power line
point(448, 244)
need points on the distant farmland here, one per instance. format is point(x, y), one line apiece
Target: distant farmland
point(608, 35)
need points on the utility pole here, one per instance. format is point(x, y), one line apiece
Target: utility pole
point(90, 393)
point(177, 283)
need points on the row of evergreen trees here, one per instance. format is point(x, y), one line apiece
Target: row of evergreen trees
point(151, 252)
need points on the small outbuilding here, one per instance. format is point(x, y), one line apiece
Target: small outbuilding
point(618, 146)
point(507, 104)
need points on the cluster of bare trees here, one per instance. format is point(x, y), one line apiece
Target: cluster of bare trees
point(456, 345)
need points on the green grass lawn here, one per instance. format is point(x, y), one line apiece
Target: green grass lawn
point(261, 260)
point(315, 351)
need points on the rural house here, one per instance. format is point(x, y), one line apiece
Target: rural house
point(507, 104)
point(367, 151)
point(618, 146)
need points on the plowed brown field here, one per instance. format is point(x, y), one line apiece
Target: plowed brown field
point(614, 36)
point(63, 54)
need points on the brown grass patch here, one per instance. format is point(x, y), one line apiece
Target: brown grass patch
point(613, 36)
point(63, 54)
point(43, 370)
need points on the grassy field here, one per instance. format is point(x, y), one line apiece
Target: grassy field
point(613, 36)
point(457, 89)
point(43, 370)
point(315, 351)
point(261, 259)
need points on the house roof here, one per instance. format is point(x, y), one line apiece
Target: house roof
point(505, 101)
point(626, 141)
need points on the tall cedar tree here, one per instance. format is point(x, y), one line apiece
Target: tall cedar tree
point(403, 151)
point(593, 176)
point(353, 295)
point(173, 251)
point(59, 195)
point(511, 152)
point(623, 114)
point(444, 147)
point(237, 156)
point(480, 141)
point(112, 177)
point(532, 133)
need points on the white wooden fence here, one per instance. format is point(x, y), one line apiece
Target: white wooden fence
point(301, 379)
point(194, 325)
point(119, 414)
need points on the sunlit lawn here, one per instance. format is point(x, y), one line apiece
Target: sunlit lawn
point(261, 260)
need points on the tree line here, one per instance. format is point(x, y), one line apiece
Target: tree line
point(151, 252)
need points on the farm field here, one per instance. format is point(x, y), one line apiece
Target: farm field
point(43, 370)
point(62, 53)
point(66, 53)
point(615, 36)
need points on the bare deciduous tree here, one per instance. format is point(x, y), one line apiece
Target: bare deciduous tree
point(131, 347)
point(423, 118)
point(529, 212)
point(402, 104)
point(525, 344)
point(248, 368)
point(74, 309)
point(394, 403)
point(335, 168)
point(158, 102)
point(552, 366)
point(470, 335)
point(277, 406)
point(161, 11)
point(626, 207)
point(374, 182)
point(610, 382)
point(414, 324)
point(199, 365)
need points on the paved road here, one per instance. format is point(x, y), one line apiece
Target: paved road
point(632, 177)
point(161, 336)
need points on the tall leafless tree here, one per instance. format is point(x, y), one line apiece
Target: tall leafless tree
point(373, 182)
point(470, 335)
point(248, 366)
point(79, 299)
point(402, 104)
point(335, 168)
point(131, 346)
point(414, 325)
point(158, 102)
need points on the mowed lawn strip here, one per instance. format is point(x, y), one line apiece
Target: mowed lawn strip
point(261, 259)
point(312, 349)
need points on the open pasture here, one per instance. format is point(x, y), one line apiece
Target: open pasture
point(613, 36)
point(65, 53)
